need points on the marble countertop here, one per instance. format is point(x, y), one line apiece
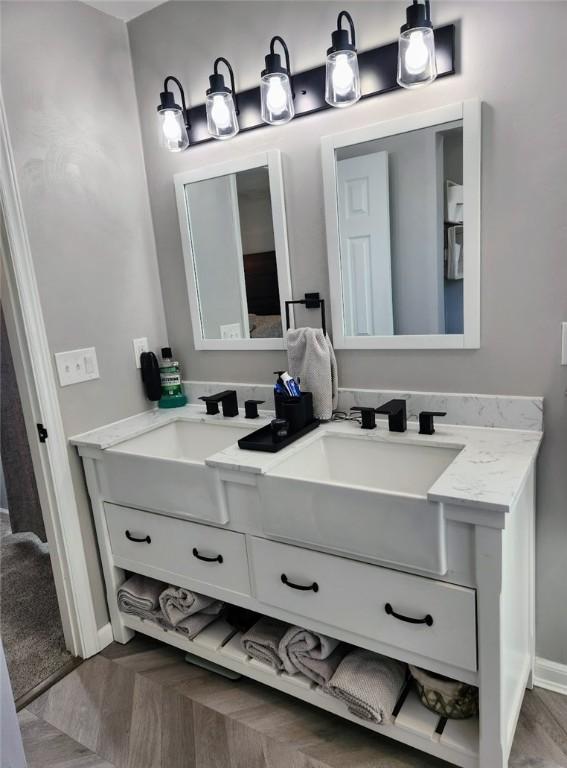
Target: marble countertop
point(488, 473)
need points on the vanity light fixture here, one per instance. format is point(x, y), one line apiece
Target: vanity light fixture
point(174, 119)
point(342, 82)
point(222, 105)
point(417, 64)
point(276, 89)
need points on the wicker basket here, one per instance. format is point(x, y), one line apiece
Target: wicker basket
point(444, 696)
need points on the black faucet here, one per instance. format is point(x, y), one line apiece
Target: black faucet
point(251, 408)
point(397, 415)
point(227, 399)
point(426, 423)
point(368, 416)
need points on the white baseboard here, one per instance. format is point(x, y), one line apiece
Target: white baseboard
point(551, 675)
point(105, 636)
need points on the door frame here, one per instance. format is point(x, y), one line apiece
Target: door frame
point(40, 402)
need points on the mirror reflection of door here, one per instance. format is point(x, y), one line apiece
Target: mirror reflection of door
point(401, 226)
point(234, 257)
point(364, 226)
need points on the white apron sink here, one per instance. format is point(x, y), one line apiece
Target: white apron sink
point(361, 497)
point(164, 469)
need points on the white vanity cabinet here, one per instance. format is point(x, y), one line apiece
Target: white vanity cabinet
point(476, 614)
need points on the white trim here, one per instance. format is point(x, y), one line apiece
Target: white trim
point(272, 159)
point(60, 512)
point(470, 113)
point(105, 636)
point(551, 675)
point(240, 259)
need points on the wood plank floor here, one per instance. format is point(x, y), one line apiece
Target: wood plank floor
point(142, 706)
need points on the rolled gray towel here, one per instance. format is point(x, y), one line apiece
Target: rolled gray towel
point(263, 639)
point(139, 596)
point(178, 604)
point(192, 625)
point(369, 684)
point(316, 656)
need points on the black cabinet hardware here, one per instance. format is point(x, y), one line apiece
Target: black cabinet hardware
point(368, 416)
point(215, 559)
point(311, 587)
point(426, 620)
point(42, 433)
point(145, 539)
point(397, 414)
point(426, 423)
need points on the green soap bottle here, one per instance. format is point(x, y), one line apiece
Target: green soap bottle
point(172, 394)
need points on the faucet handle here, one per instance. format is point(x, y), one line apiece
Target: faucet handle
point(426, 423)
point(212, 404)
point(368, 416)
point(251, 408)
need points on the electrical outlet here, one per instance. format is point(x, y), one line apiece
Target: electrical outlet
point(76, 366)
point(231, 331)
point(140, 345)
point(563, 343)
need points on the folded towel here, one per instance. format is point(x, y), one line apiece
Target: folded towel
point(312, 358)
point(316, 656)
point(192, 625)
point(263, 639)
point(139, 596)
point(369, 684)
point(178, 604)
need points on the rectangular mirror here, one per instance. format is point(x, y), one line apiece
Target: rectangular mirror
point(233, 231)
point(402, 205)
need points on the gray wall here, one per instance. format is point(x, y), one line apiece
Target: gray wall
point(524, 241)
point(255, 211)
point(67, 82)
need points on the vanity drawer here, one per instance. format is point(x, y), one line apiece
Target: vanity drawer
point(354, 596)
point(208, 555)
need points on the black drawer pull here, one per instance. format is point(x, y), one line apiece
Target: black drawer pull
point(314, 587)
point(216, 559)
point(391, 612)
point(146, 539)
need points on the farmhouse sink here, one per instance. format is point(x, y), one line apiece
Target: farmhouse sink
point(361, 497)
point(164, 469)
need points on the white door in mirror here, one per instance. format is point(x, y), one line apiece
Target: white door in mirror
point(76, 366)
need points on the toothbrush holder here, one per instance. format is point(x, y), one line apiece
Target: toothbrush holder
point(297, 411)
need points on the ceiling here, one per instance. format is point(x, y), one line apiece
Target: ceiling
point(124, 9)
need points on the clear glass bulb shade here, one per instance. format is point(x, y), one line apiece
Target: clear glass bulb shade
point(342, 83)
point(276, 98)
point(222, 122)
point(416, 58)
point(173, 133)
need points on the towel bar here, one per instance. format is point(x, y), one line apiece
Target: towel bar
point(311, 301)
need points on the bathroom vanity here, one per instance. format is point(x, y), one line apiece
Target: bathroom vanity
point(327, 533)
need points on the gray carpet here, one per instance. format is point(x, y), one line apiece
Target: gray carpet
point(30, 623)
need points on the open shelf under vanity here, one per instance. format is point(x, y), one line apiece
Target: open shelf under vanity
point(453, 740)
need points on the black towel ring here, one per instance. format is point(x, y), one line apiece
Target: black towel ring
point(311, 301)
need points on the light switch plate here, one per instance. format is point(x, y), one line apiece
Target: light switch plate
point(231, 331)
point(563, 343)
point(76, 366)
point(140, 345)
